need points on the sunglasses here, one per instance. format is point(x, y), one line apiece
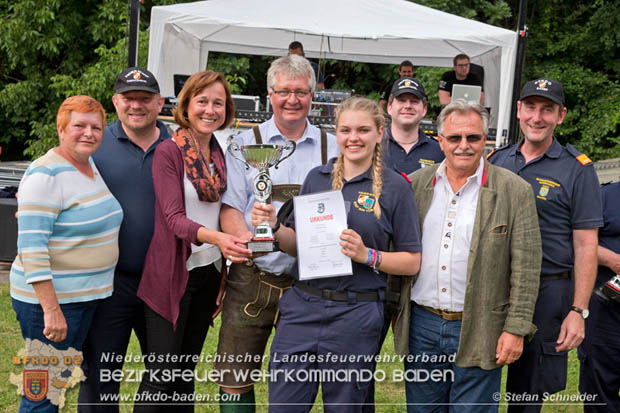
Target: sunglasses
point(457, 138)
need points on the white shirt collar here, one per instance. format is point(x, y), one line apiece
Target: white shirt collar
point(477, 176)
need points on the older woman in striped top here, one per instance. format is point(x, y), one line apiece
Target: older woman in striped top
point(68, 223)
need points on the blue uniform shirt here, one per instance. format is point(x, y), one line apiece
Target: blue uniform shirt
point(567, 197)
point(609, 235)
point(293, 170)
point(425, 152)
point(398, 224)
point(126, 170)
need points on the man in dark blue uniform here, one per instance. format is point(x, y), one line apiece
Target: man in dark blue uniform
point(599, 376)
point(124, 161)
point(569, 213)
point(406, 147)
point(405, 69)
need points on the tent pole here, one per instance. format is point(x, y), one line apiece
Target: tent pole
point(522, 32)
point(134, 26)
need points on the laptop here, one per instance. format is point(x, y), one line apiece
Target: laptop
point(467, 92)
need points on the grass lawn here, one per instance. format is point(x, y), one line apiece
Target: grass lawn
point(390, 395)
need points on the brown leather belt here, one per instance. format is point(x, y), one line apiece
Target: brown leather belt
point(446, 315)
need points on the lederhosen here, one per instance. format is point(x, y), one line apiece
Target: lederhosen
point(250, 308)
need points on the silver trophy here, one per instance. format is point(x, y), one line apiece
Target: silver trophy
point(262, 157)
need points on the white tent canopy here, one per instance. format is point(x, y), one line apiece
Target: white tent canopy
point(374, 31)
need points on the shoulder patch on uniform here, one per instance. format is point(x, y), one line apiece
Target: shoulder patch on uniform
point(496, 149)
point(582, 158)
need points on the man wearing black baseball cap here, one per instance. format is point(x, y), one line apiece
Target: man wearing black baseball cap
point(405, 69)
point(124, 160)
point(406, 147)
point(568, 202)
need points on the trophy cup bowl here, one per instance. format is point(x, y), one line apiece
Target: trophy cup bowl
point(262, 157)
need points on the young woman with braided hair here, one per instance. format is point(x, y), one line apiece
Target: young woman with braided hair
point(329, 325)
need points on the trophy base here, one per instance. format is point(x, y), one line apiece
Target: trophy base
point(263, 245)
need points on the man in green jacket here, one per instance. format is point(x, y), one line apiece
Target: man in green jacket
point(471, 307)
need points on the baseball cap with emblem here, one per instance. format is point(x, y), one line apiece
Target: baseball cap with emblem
point(134, 78)
point(408, 85)
point(546, 88)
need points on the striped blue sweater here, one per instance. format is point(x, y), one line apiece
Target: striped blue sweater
point(68, 228)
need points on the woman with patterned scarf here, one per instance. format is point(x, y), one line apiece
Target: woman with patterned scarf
point(181, 281)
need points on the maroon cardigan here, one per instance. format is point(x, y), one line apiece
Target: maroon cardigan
point(165, 274)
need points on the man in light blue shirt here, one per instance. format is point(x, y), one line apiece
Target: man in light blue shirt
point(250, 308)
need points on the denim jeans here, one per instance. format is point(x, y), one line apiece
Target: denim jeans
point(433, 342)
point(30, 317)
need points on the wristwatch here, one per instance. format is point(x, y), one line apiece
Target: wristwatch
point(583, 311)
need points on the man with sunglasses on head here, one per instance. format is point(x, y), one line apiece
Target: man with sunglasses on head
point(471, 307)
point(461, 75)
point(568, 201)
point(250, 307)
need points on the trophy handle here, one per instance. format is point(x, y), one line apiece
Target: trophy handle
point(234, 147)
point(290, 145)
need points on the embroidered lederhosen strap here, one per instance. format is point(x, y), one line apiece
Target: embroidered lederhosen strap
point(284, 192)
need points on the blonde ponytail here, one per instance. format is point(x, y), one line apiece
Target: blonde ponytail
point(377, 178)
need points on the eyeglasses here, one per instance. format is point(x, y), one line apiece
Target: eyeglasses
point(299, 94)
point(463, 65)
point(457, 138)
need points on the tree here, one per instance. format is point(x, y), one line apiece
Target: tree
point(52, 49)
point(577, 43)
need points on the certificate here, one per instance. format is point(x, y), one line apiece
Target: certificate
point(320, 218)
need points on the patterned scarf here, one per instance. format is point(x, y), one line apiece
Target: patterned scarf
point(208, 187)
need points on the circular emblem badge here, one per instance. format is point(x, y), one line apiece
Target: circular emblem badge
point(261, 185)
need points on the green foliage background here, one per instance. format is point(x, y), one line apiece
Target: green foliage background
point(51, 49)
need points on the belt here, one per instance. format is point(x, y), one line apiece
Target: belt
point(446, 315)
point(334, 295)
point(559, 276)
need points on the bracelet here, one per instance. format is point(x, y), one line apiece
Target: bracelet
point(373, 259)
point(276, 228)
point(369, 259)
point(377, 263)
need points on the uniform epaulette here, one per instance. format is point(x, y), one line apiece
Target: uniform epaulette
point(582, 158)
point(495, 150)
